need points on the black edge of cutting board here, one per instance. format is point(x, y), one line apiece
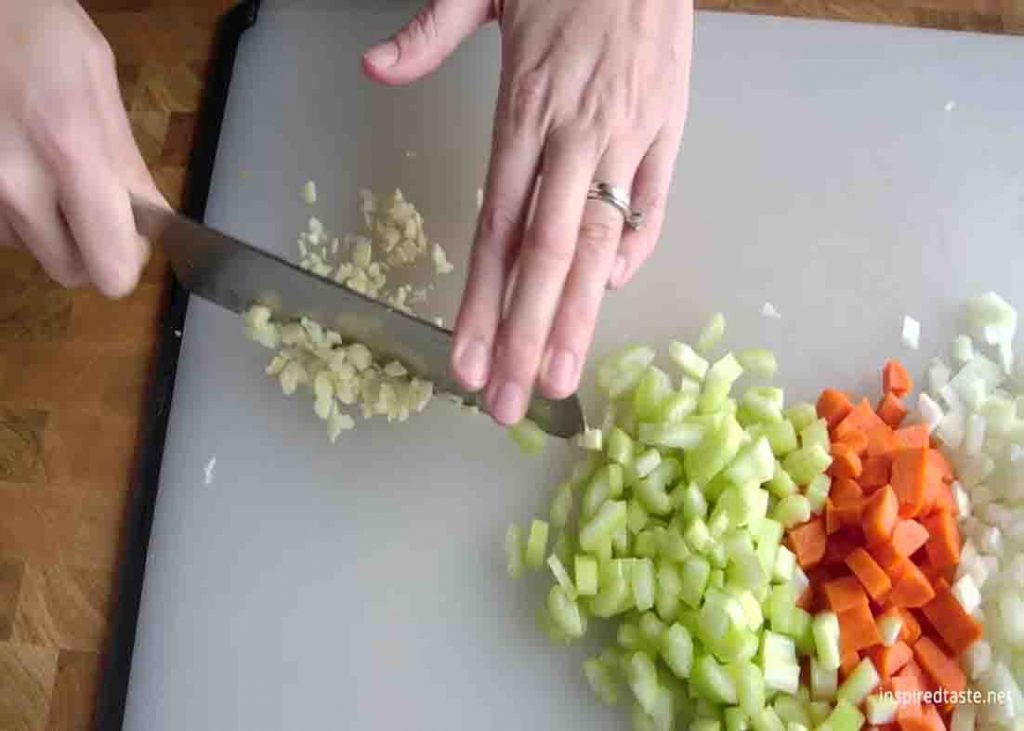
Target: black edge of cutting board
point(138, 523)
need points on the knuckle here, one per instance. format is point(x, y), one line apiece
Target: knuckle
point(598, 236)
point(99, 53)
point(117, 278)
point(497, 222)
point(420, 31)
point(528, 97)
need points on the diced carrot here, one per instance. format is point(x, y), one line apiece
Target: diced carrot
point(807, 542)
point(845, 462)
point(856, 440)
point(895, 379)
point(888, 559)
point(925, 718)
point(943, 546)
point(839, 546)
point(843, 515)
point(934, 574)
point(914, 672)
point(833, 406)
point(880, 515)
point(908, 536)
point(912, 437)
point(941, 465)
point(956, 627)
point(889, 660)
point(871, 576)
point(806, 599)
point(912, 588)
point(844, 593)
point(935, 722)
point(882, 441)
point(861, 418)
point(911, 627)
point(848, 662)
point(907, 689)
point(845, 490)
point(857, 629)
point(874, 473)
point(891, 410)
point(941, 498)
point(941, 668)
point(909, 478)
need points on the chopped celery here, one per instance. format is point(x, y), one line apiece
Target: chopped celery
point(673, 546)
point(718, 382)
point(620, 372)
point(735, 719)
point(514, 551)
point(716, 556)
point(712, 681)
point(694, 580)
point(653, 388)
point(642, 677)
point(711, 334)
point(744, 570)
point(824, 681)
point(790, 709)
point(563, 547)
point(565, 612)
point(645, 545)
point(613, 592)
point(697, 535)
point(651, 631)
point(706, 724)
point(882, 709)
point(561, 575)
point(844, 717)
point(818, 712)
point(718, 447)
point(628, 636)
point(817, 492)
point(686, 358)
point(677, 650)
point(825, 629)
point(889, 628)
point(767, 720)
point(689, 499)
point(636, 517)
point(561, 505)
point(800, 415)
point(536, 544)
point(755, 464)
point(646, 462)
point(642, 577)
point(530, 437)
point(651, 490)
point(859, 683)
point(784, 566)
point(610, 517)
point(586, 575)
point(781, 436)
point(749, 686)
point(815, 433)
point(677, 406)
point(792, 510)
point(806, 463)
point(671, 435)
point(620, 447)
point(669, 590)
point(591, 439)
point(752, 610)
point(778, 661)
point(603, 680)
point(781, 483)
point(606, 483)
point(759, 361)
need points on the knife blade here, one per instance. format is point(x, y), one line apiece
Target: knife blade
point(236, 275)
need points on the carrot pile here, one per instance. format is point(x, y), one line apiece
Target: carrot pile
point(883, 552)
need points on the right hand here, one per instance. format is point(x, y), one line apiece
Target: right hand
point(68, 161)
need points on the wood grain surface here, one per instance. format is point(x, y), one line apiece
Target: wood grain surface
point(74, 367)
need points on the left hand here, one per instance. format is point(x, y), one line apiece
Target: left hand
point(591, 90)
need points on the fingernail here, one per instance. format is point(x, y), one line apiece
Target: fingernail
point(560, 370)
point(618, 270)
point(508, 407)
point(472, 362)
point(382, 56)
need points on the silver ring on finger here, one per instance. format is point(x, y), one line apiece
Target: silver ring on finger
point(618, 199)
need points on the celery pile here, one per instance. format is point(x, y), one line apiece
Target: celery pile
point(672, 527)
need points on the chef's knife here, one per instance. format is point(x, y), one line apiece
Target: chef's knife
point(235, 275)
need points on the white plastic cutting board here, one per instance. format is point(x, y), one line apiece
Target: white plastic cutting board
point(848, 174)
